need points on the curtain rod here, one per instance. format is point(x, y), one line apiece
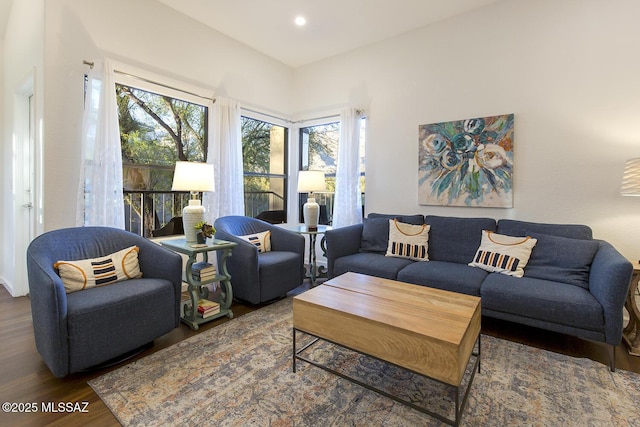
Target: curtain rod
point(332, 116)
point(91, 64)
point(249, 110)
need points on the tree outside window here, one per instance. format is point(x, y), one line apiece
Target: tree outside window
point(155, 132)
point(264, 154)
point(319, 151)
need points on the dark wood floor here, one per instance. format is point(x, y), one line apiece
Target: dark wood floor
point(24, 378)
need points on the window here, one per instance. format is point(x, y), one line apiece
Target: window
point(264, 154)
point(319, 151)
point(156, 131)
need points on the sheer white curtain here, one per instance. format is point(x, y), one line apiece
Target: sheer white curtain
point(347, 209)
point(100, 200)
point(225, 152)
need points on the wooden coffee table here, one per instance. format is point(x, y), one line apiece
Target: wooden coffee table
point(428, 331)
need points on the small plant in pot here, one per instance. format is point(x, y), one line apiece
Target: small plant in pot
point(205, 231)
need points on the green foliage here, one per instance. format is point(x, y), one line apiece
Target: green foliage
point(159, 130)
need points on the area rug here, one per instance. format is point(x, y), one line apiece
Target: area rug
point(240, 374)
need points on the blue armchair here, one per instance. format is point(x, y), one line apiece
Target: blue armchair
point(258, 277)
point(82, 329)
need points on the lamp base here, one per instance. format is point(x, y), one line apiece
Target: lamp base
point(311, 214)
point(192, 214)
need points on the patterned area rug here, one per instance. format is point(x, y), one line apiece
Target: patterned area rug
point(239, 374)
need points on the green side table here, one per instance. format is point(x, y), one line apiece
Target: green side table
point(197, 289)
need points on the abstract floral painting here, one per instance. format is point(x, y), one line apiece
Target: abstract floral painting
point(467, 163)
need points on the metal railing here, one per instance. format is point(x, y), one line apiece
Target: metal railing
point(145, 211)
point(256, 202)
point(150, 210)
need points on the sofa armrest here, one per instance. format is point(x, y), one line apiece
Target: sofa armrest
point(342, 242)
point(609, 282)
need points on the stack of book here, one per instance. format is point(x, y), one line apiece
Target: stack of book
point(207, 308)
point(202, 271)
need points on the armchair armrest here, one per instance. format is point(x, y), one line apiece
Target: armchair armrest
point(609, 282)
point(49, 311)
point(342, 242)
point(285, 240)
point(243, 262)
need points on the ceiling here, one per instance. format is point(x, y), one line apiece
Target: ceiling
point(333, 26)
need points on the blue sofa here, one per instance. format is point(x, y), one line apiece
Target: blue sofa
point(573, 284)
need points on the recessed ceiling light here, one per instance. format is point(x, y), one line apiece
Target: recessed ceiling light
point(300, 21)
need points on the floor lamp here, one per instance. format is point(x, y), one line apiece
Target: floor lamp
point(308, 182)
point(193, 177)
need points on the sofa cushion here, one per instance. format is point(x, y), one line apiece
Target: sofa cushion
point(88, 273)
point(512, 227)
point(503, 254)
point(375, 230)
point(408, 241)
point(416, 219)
point(372, 264)
point(456, 239)
point(542, 299)
point(444, 275)
point(561, 259)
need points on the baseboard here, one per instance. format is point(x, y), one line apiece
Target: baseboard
point(8, 286)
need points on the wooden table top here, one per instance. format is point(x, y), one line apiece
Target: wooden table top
point(414, 326)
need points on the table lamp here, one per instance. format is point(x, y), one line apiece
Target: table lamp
point(631, 178)
point(194, 177)
point(308, 182)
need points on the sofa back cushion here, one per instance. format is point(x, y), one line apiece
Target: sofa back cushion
point(456, 239)
point(375, 230)
point(512, 227)
point(561, 259)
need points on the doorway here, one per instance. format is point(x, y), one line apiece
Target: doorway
point(25, 201)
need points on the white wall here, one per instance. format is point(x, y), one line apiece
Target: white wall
point(54, 37)
point(23, 61)
point(145, 34)
point(568, 70)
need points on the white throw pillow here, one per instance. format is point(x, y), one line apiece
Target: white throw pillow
point(260, 240)
point(503, 254)
point(408, 241)
point(88, 273)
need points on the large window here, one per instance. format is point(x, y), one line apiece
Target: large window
point(319, 151)
point(264, 154)
point(156, 131)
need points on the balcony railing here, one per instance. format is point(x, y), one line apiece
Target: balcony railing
point(146, 211)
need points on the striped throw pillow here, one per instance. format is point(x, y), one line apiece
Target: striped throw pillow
point(260, 240)
point(408, 241)
point(88, 273)
point(503, 254)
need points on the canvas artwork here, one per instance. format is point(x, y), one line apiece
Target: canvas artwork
point(467, 163)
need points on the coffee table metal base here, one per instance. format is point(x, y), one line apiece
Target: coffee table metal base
point(459, 404)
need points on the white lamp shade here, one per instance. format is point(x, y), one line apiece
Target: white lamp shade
point(631, 178)
point(193, 176)
point(310, 181)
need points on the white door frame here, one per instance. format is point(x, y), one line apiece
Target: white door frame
point(26, 186)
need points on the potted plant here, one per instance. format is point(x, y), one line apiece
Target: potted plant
point(204, 231)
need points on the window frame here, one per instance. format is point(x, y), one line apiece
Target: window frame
point(134, 77)
point(285, 176)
